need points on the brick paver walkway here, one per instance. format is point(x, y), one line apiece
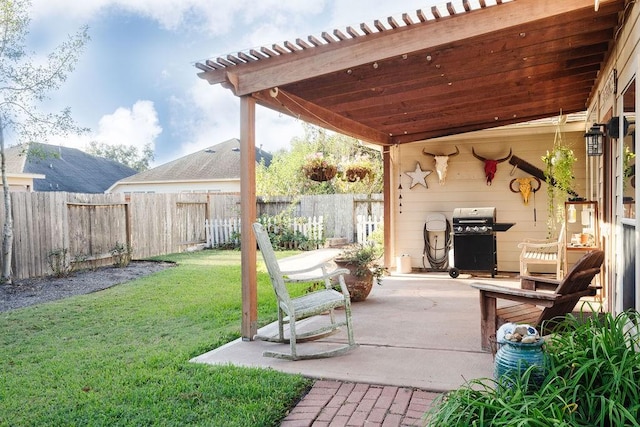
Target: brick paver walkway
point(337, 403)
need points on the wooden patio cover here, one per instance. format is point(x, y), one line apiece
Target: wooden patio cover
point(433, 73)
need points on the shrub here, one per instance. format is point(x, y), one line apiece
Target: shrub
point(592, 381)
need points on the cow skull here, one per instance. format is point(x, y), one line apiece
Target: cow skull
point(442, 162)
point(490, 166)
point(524, 187)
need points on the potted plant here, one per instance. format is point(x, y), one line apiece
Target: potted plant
point(318, 168)
point(559, 177)
point(363, 262)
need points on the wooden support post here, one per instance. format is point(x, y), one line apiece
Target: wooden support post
point(248, 216)
point(386, 197)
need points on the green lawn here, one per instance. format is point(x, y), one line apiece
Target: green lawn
point(121, 356)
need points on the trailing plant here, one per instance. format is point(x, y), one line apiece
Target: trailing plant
point(559, 177)
point(592, 381)
point(121, 253)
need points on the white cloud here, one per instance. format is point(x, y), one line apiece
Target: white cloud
point(214, 116)
point(213, 16)
point(136, 126)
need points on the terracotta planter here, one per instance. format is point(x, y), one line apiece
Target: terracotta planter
point(359, 286)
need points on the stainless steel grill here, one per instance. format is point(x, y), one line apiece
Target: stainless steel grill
point(474, 240)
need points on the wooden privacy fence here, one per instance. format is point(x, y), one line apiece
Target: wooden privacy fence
point(89, 226)
point(224, 232)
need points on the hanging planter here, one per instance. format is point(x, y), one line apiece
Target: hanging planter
point(559, 177)
point(317, 168)
point(357, 172)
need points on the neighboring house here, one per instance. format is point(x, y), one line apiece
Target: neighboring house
point(213, 170)
point(67, 169)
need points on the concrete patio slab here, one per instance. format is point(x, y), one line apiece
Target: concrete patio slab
point(415, 330)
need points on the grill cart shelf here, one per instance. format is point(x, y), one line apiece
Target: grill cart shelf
point(474, 240)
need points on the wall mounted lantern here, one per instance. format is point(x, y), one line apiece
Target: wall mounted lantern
point(594, 138)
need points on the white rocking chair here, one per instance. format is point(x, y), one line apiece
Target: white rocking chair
point(292, 310)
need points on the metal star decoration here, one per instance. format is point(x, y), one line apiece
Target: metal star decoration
point(419, 176)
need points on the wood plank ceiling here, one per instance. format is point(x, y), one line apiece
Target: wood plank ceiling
point(436, 73)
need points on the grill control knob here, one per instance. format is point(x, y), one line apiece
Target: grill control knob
point(467, 228)
point(484, 228)
point(475, 228)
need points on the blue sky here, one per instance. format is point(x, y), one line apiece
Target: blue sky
point(136, 82)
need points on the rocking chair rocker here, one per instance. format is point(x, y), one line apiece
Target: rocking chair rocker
point(292, 310)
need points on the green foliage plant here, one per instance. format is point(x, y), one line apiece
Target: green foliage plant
point(365, 258)
point(285, 175)
point(559, 176)
point(592, 381)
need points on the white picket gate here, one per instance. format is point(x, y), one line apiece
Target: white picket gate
point(222, 232)
point(365, 225)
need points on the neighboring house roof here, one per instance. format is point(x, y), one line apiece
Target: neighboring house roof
point(66, 169)
point(218, 162)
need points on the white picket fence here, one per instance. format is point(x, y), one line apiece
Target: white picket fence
point(222, 232)
point(365, 225)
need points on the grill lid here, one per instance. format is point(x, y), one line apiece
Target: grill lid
point(470, 215)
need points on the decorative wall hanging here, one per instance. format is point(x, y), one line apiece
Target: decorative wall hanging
point(418, 176)
point(490, 166)
point(525, 187)
point(442, 161)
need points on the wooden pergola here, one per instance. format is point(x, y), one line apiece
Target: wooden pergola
point(432, 74)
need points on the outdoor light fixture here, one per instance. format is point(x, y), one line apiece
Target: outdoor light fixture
point(593, 138)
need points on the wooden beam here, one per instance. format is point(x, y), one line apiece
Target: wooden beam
point(248, 216)
point(300, 108)
point(334, 56)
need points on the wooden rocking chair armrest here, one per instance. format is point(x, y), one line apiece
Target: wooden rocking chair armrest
point(525, 241)
point(539, 245)
point(322, 266)
point(325, 276)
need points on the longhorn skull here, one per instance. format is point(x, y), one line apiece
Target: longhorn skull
point(490, 166)
point(441, 163)
point(524, 187)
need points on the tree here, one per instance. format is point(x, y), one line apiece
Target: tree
point(284, 175)
point(125, 154)
point(25, 83)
